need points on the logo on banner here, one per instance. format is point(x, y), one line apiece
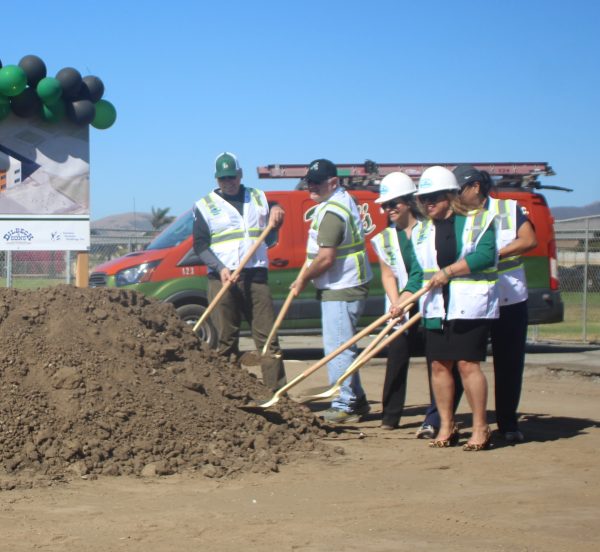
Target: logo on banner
point(18, 235)
point(55, 236)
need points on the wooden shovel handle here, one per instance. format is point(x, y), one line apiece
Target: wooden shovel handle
point(282, 313)
point(234, 275)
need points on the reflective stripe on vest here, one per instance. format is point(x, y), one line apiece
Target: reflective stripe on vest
point(512, 285)
point(351, 267)
point(232, 233)
point(479, 299)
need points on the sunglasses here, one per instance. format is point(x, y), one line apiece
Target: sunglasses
point(430, 199)
point(392, 204)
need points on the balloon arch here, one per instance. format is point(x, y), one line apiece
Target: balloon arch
point(27, 91)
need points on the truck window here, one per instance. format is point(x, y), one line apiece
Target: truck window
point(179, 230)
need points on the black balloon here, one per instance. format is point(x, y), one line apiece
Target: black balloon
point(92, 88)
point(70, 80)
point(34, 68)
point(81, 112)
point(26, 104)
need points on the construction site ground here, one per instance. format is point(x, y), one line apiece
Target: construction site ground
point(387, 492)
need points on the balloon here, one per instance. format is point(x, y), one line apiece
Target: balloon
point(34, 68)
point(81, 112)
point(26, 103)
point(106, 115)
point(92, 88)
point(49, 90)
point(70, 80)
point(54, 112)
point(4, 100)
point(13, 80)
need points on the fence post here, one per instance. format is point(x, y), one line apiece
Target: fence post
point(82, 270)
point(68, 267)
point(584, 295)
point(8, 268)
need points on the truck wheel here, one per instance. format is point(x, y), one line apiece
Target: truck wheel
point(207, 332)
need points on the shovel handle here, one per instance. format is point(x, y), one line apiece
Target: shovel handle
point(363, 359)
point(282, 313)
point(365, 331)
point(234, 275)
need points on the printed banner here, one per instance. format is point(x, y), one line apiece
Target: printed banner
point(44, 185)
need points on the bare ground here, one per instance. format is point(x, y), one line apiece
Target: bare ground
point(387, 492)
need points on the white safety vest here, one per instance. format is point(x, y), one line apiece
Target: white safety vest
point(351, 267)
point(231, 234)
point(472, 296)
point(387, 247)
point(512, 282)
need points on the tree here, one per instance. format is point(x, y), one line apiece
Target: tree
point(160, 218)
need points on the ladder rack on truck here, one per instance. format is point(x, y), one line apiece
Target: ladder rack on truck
point(512, 180)
point(369, 173)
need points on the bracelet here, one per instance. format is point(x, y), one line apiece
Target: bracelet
point(445, 273)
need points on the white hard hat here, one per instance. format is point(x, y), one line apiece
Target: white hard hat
point(437, 179)
point(395, 184)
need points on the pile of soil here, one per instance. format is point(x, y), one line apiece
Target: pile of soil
point(107, 381)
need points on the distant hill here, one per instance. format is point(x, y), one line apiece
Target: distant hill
point(562, 213)
point(133, 222)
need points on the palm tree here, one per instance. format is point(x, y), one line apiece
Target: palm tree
point(160, 218)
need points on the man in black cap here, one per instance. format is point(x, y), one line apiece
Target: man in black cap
point(340, 270)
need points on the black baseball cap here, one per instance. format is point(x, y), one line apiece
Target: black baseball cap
point(467, 174)
point(320, 170)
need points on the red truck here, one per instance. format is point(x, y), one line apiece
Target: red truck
point(169, 270)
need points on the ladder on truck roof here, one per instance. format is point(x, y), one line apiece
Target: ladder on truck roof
point(369, 173)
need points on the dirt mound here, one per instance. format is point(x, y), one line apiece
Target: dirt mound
point(105, 381)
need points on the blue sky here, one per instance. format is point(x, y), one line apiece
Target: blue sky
point(279, 82)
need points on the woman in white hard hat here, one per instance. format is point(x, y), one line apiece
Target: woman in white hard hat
point(515, 235)
point(401, 276)
point(457, 252)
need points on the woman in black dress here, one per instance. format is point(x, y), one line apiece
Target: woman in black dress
point(457, 252)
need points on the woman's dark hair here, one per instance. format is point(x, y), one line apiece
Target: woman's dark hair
point(485, 183)
point(414, 208)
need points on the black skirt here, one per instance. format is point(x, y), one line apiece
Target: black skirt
point(458, 340)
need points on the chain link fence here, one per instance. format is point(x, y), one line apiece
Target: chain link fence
point(578, 252)
point(578, 245)
point(34, 269)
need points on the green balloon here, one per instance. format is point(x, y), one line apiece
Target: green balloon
point(53, 113)
point(4, 100)
point(13, 80)
point(106, 115)
point(49, 90)
point(4, 110)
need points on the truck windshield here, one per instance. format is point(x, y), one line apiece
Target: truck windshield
point(179, 230)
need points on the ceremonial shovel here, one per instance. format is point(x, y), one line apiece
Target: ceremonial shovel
point(234, 275)
point(374, 347)
point(282, 313)
point(278, 394)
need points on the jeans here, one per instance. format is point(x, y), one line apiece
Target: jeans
point(339, 320)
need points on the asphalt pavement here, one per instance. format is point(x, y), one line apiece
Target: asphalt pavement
point(576, 358)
